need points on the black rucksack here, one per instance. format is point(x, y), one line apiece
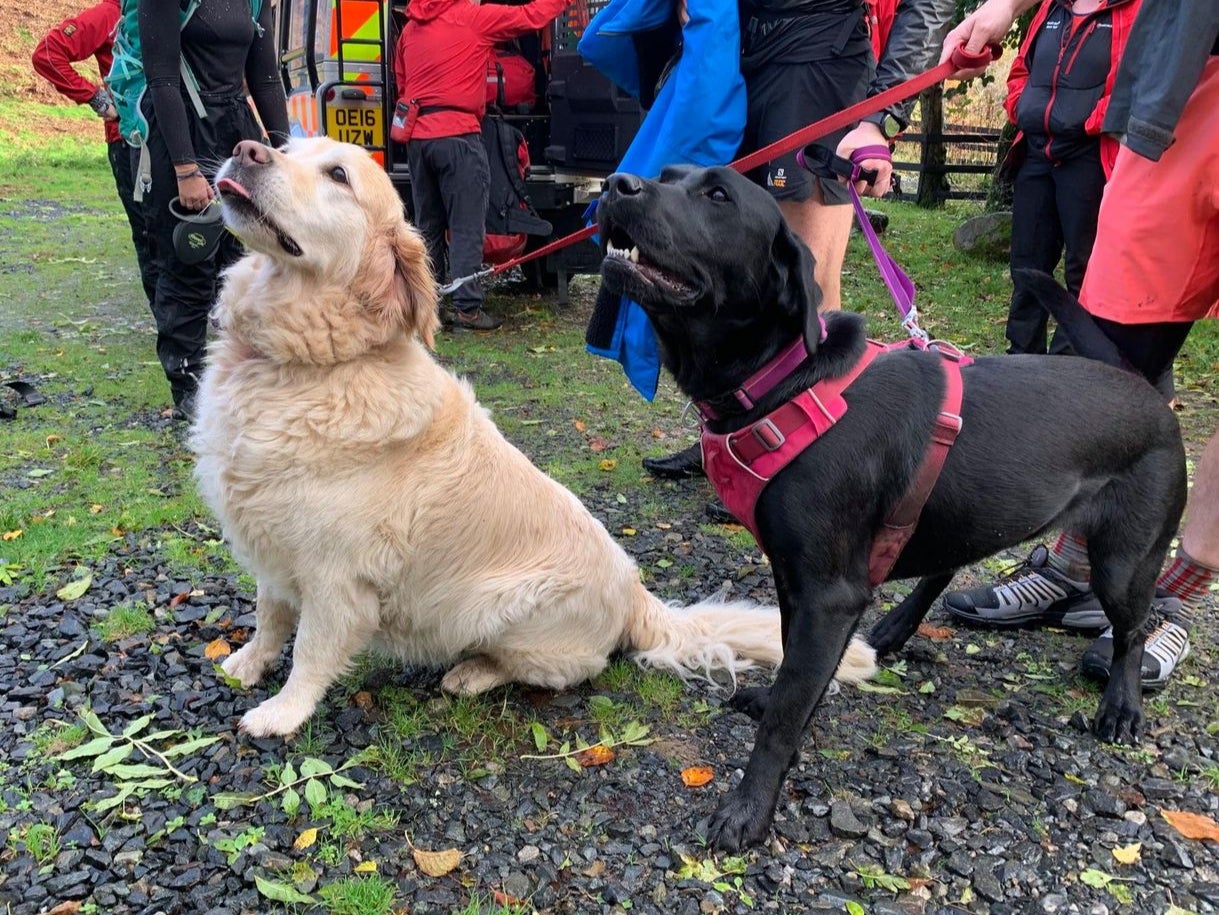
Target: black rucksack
point(509, 210)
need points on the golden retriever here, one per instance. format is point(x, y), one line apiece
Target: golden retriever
point(374, 500)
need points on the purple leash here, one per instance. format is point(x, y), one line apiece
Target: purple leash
point(899, 285)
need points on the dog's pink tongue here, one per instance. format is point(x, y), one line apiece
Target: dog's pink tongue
point(232, 187)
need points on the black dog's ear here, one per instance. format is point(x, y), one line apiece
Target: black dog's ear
point(798, 293)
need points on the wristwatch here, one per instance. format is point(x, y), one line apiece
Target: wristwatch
point(890, 125)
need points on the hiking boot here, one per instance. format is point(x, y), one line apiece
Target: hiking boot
point(685, 463)
point(184, 409)
point(1167, 645)
point(1033, 593)
point(475, 319)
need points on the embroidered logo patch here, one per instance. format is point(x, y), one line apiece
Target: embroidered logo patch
point(69, 29)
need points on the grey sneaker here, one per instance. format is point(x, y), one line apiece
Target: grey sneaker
point(1166, 647)
point(1031, 594)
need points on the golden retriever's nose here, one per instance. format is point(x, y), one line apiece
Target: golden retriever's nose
point(251, 152)
point(623, 184)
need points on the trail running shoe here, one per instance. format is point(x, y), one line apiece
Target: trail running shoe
point(1033, 593)
point(1166, 647)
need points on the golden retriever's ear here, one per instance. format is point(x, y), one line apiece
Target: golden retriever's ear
point(406, 290)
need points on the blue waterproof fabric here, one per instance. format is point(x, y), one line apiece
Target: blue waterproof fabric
point(698, 119)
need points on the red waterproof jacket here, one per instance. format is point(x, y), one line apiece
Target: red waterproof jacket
point(1121, 16)
point(441, 58)
point(87, 34)
point(880, 23)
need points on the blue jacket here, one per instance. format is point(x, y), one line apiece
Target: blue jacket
point(698, 118)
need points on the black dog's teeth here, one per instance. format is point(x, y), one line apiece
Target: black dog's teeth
point(619, 244)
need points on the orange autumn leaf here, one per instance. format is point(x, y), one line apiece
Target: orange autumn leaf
point(595, 756)
point(217, 648)
point(696, 776)
point(597, 443)
point(1192, 825)
point(363, 699)
point(178, 598)
point(503, 900)
point(436, 863)
point(939, 633)
point(579, 424)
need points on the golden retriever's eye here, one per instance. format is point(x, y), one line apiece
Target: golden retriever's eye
point(718, 194)
point(338, 174)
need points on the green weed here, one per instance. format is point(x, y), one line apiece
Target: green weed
point(123, 622)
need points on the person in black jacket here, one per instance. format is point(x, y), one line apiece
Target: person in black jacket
point(227, 51)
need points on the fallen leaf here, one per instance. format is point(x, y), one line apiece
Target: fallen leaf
point(68, 907)
point(96, 508)
point(597, 443)
point(305, 839)
point(363, 699)
point(626, 532)
point(51, 440)
point(1192, 825)
point(657, 432)
point(75, 588)
point(579, 424)
point(607, 464)
point(939, 633)
point(503, 900)
point(366, 867)
point(1129, 854)
point(696, 776)
point(595, 756)
point(13, 535)
point(217, 648)
point(596, 869)
point(178, 598)
point(436, 863)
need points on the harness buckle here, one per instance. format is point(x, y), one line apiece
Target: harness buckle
point(768, 435)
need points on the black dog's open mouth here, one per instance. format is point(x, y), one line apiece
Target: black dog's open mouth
point(622, 252)
point(238, 197)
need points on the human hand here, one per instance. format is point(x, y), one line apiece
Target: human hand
point(194, 190)
point(986, 25)
point(110, 114)
point(868, 134)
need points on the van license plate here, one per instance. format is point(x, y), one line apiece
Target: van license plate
point(362, 126)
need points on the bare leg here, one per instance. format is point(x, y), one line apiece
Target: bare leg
point(826, 230)
point(1200, 536)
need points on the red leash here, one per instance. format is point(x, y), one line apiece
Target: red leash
point(960, 60)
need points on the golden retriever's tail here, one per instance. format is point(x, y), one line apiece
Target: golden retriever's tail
point(714, 636)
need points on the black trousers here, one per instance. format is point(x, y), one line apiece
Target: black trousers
point(120, 166)
point(1054, 213)
point(185, 292)
point(450, 183)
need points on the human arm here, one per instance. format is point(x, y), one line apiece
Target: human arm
point(988, 24)
point(75, 39)
point(262, 79)
point(498, 22)
point(910, 49)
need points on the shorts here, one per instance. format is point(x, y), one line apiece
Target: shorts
point(1156, 256)
point(784, 97)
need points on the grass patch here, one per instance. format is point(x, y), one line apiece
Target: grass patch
point(123, 622)
point(39, 840)
point(372, 895)
point(54, 737)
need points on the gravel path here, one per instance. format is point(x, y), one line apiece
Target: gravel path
point(970, 784)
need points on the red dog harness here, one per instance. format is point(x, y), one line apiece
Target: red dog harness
point(741, 463)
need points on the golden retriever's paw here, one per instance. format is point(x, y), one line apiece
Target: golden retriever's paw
point(247, 665)
point(277, 717)
point(858, 662)
point(476, 675)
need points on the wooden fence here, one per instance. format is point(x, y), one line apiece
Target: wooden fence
point(970, 161)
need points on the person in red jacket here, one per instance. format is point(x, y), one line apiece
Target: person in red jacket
point(1058, 92)
point(89, 34)
point(441, 69)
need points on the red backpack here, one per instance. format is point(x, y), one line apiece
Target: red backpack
point(510, 71)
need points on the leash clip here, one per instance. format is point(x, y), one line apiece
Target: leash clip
point(454, 285)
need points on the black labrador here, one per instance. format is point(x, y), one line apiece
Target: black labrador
point(1046, 442)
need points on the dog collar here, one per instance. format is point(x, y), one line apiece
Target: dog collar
point(763, 381)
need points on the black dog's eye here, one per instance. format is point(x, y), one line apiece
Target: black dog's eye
point(339, 174)
point(718, 194)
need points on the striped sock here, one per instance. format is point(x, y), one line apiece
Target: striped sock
point(1187, 580)
point(1069, 556)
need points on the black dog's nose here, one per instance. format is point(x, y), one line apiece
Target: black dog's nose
point(624, 184)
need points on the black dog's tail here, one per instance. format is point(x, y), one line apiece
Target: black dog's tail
point(1084, 333)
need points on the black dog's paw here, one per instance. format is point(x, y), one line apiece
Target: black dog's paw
point(737, 823)
point(1118, 721)
point(750, 701)
point(889, 635)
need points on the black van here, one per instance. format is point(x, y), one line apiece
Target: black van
point(336, 60)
